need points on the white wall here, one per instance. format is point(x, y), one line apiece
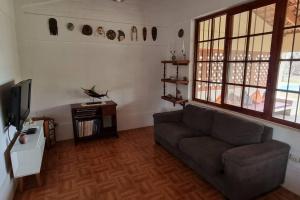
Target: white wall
point(9, 71)
point(59, 66)
point(187, 11)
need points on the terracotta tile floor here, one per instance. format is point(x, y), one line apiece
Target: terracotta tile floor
point(130, 167)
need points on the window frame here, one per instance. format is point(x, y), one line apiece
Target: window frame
point(209, 60)
point(275, 52)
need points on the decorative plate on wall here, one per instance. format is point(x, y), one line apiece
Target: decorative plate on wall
point(87, 30)
point(111, 34)
point(121, 35)
point(70, 26)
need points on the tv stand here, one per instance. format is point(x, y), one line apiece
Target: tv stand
point(26, 159)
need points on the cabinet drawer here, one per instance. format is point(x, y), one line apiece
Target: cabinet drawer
point(108, 110)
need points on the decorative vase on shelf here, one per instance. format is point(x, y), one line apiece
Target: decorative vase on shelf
point(173, 55)
point(173, 58)
point(183, 54)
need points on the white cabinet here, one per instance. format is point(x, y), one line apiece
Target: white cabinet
point(27, 158)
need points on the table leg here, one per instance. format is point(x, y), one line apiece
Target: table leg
point(21, 184)
point(38, 179)
point(44, 160)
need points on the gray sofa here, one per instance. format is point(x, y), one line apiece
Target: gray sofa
point(237, 156)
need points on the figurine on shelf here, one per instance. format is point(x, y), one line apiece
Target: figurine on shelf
point(173, 53)
point(173, 77)
point(183, 54)
point(178, 94)
point(183, 50)
point(170, 96)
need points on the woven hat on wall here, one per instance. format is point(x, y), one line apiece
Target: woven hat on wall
point(87, 30)
point(111, 34)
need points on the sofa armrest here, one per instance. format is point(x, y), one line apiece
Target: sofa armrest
point(254, 169)
point(255, 153)
point(173, 116)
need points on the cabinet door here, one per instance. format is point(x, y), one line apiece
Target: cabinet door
point(108, 110)
point(109, 121)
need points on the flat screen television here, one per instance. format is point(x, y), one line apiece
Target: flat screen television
point(20, 103)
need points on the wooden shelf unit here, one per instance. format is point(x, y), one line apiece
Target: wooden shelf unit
point(177, 62)
point(98, 114)
point(180, 82)
point(175, 100)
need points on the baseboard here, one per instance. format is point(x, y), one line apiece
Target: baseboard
point(135, 129)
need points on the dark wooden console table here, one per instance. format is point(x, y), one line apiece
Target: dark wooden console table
point(94, 121)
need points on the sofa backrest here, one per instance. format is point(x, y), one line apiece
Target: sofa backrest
point(198, 118)
point(267, 134)
point(236, 131)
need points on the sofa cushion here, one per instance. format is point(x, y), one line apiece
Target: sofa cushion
point(198, 118)
point(206, 152)
point(173, 132)
point(236, 131)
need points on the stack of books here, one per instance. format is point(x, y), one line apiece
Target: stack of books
point(87, 128)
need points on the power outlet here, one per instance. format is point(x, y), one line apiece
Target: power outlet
point(295, 158)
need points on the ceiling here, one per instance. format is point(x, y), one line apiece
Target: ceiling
point(100, 3)
point(138, 11)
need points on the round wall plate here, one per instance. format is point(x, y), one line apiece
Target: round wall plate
point(70, 26)
point(180, 33)
point(111, 34)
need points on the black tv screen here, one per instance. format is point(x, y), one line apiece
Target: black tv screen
point(20, 103)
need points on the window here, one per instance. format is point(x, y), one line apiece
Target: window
point(249, 58)
point(238, 64)
point(286, 106)
point(210, 59)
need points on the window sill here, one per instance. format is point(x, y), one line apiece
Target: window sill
point(272, 122)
